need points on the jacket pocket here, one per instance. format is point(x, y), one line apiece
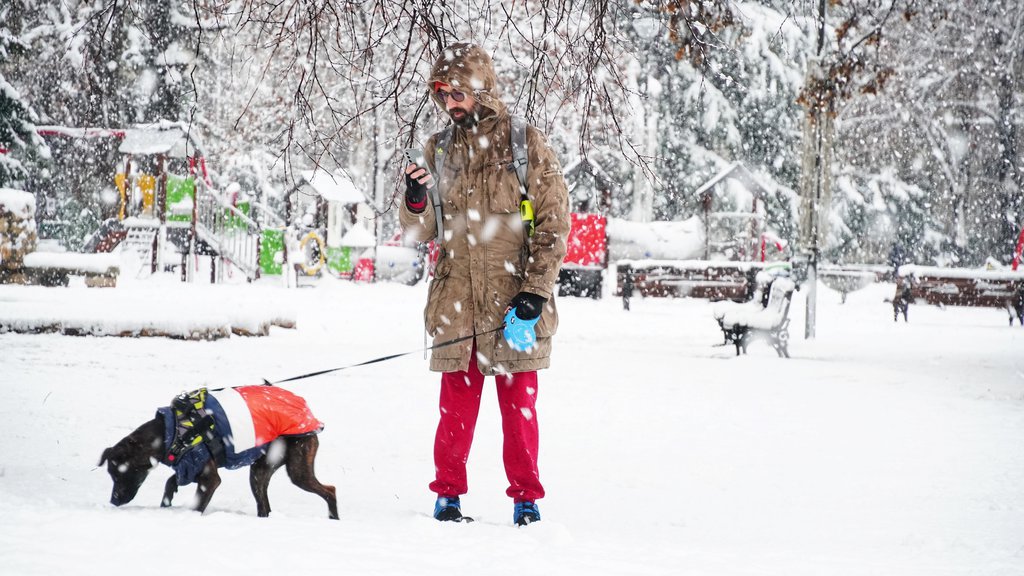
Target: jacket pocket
point(548, 324)
point(504, 189)
point(433, 319)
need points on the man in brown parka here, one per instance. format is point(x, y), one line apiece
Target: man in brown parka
point(488, 265)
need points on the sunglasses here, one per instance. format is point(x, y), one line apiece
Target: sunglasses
point(454, 94)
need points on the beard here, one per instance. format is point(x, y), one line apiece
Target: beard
point(464, 119)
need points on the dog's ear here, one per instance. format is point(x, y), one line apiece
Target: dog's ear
point(105, 456)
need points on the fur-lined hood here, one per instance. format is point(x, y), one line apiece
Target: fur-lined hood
point(468, 68)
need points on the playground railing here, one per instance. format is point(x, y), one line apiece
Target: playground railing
point(264, 214)
point(228, 230)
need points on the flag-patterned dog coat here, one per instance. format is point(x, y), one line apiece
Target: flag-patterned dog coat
point(245, 419)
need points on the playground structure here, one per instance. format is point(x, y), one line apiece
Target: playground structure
point(21, 263)
point(732, 232)
point(330, 236)
point(165, 216)
point(169, 213)
point(17, 232)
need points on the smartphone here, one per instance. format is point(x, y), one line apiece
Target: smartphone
point(415, 156)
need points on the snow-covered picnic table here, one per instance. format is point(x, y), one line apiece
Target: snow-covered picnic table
point(55, 268)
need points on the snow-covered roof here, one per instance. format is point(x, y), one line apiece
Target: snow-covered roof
point(18, 202)
point(739, 172)
point(580, 161)
point(671, 240)
point(358, 237)
point(169, 138)
point(336, 187)
point(80, 132)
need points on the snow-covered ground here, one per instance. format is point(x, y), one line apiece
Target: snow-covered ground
point(879, 448)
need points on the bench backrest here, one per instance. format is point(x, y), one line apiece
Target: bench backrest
point(779, 296)
point(962, 291)
point(780, 293)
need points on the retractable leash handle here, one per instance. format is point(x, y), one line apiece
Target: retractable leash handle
point(520, 334)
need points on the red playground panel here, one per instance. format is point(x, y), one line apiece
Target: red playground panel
point(588, 244)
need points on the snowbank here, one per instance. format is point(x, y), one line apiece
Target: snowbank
point(101, 263)
point(18, 202)
point(192, 312)
point(655, 240)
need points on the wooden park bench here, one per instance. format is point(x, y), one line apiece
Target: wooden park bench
point(765, 318)
point(959, 287)
point(709, 279)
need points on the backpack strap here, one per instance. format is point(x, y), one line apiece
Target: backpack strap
point(520, 163)
point(444, 138)
point(519, 156)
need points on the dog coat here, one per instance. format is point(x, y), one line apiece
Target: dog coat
point(246, 419)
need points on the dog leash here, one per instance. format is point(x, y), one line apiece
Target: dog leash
point(384, 358)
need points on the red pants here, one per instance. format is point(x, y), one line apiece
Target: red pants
point(460, 404)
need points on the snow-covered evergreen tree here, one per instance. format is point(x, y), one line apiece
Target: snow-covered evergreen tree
point(98, 64)
point(18, 138)
point(731, 97)
point(943, 133)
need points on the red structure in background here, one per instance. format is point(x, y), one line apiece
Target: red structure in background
point(588, 241)
point(1018, 250)
point(586, 256)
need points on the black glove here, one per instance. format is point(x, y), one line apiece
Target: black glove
point(415, 193)
point(528, 305)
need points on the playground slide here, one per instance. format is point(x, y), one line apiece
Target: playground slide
point(109, 235)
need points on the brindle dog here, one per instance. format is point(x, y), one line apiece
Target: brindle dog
point(130, 460)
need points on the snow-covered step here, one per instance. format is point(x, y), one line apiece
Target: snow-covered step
point(141, 241)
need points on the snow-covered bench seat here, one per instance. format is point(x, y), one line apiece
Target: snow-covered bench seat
point(55, 268)
point(741, 323)
point(734, 308)
point(959, 287)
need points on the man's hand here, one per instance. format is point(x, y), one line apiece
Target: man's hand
point(527, 305)
point(417, 181)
